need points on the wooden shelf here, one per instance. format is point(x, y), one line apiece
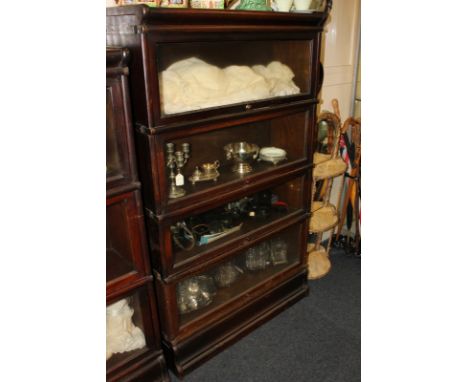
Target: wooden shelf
point(228, 180)
point(225, 296)
point(249, 281)
point(224, 331)
point(250, 227)
point(215, 197)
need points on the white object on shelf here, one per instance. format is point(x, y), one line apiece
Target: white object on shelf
point(272, 154)
point(283, 5)
point(192, 84)
point(302, 5)
point(121, 334)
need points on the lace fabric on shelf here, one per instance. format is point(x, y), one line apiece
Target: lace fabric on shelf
point(193, 84)
point(121, 333)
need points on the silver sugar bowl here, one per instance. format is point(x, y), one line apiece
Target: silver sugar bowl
point(242, 153)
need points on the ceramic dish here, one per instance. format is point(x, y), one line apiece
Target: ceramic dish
point(272, 154)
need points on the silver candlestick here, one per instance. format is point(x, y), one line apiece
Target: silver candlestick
point(176, 160)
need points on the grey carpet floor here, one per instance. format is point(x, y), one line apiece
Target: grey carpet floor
point(318, 339)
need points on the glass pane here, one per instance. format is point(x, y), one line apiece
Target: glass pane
point(119, 260)
point(207, 291)
point(113, 164)
point(201, 75)
point(126, 336)
point(197, 234)
point(217, 157)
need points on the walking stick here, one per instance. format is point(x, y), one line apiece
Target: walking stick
point(355, 158)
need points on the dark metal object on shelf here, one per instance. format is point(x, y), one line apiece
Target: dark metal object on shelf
point(182, 236)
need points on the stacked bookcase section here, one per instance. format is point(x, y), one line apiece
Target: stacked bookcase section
point(224, 107)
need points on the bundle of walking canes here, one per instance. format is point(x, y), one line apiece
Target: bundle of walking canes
point(349, 144)
point(350, 149)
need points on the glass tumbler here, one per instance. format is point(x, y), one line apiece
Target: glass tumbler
point(256, 258)
point(279, 252)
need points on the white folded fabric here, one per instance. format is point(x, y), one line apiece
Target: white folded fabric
point(193, 84)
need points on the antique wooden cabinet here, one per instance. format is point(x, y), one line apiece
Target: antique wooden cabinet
point(133, 341)
point(224, 107)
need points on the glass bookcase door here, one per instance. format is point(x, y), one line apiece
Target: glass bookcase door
point(212, 159)
point(209, 290)
point(123, 255)
point(203, 75)
point(128, 328)
point(118, 147)
point(113, 160)
point(233, 222)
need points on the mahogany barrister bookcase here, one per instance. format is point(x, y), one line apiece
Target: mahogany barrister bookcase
point(228, 253)
point(129, 282)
